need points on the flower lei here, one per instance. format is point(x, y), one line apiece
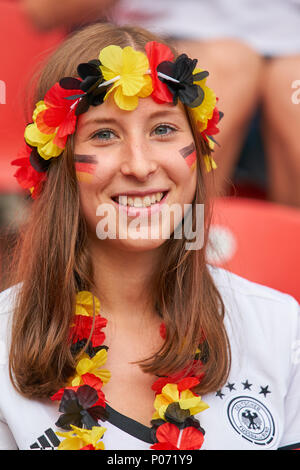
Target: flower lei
point(128, 75)
point(82, 401)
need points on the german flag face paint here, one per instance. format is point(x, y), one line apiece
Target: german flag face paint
point(189, 155)
point(85, 166)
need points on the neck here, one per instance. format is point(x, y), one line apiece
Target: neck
point(124, 281)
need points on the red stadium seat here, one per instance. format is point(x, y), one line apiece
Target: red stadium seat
point(258, 240)
point(21, 49)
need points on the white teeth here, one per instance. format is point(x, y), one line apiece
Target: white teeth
point(137, 202)
point(123, 200)
point(145, 201)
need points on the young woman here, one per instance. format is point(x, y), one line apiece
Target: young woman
point(115, 333)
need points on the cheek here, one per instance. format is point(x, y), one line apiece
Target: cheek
point(93, 171)
point(90, 199)
point(92, 178)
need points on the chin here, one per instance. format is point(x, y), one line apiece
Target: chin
point(134, 245)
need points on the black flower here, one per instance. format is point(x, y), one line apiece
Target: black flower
point(192, 421)
point(92, 77)
point(183, 88)
point(77, 408)
point(155, 425)
point(176, 415)
point(77, 347)
point(37, 162)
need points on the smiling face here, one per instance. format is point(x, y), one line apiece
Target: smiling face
point(134, 162)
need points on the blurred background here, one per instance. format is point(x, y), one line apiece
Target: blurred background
point(251, 49)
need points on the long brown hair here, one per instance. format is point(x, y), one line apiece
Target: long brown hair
point(52, 261)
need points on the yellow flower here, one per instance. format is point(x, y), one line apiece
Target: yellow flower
point(186, 400)
point(85, 304)
point(204, 112)
point(129, 68)
point(78, 438)
point(91, 366)
point(44, 142)
point(39, 107)
point(210, 164)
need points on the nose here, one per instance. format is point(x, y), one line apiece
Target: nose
point(138, 161)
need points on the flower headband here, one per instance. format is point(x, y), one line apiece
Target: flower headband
point(128, 75)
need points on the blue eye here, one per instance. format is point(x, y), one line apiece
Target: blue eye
point(164, 130)
point(104, 135)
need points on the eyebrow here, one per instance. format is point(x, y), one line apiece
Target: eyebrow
point(98, 121)
point(156, 114)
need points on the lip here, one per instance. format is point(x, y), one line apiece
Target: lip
point(142, 211)
point(141, 193)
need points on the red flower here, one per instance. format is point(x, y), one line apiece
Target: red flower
point(170, 437)
point(26, 175)
point(187, 383)
point(180, 379)
point(82, 329)
point(212, 128)
point(96, 383)
point(88, 379)
point(182, 384)
point(88, 447)
point(156, 54)
point(59, 117)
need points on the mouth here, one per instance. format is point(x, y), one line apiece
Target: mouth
point(141, 204)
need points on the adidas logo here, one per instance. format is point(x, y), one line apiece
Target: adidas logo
point(48, 441)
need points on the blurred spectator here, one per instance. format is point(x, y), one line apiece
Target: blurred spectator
point(50, 14)
point(13, 212)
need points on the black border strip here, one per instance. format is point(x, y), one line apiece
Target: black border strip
point(129, 425)
point(80, 158)
point(290, 447)
point(186, 151)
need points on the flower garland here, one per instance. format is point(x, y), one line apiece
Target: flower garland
point(82, 401)
point(127, 75)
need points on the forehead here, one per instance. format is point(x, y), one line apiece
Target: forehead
point(146, 110)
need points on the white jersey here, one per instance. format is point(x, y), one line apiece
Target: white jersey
point(258, 407)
